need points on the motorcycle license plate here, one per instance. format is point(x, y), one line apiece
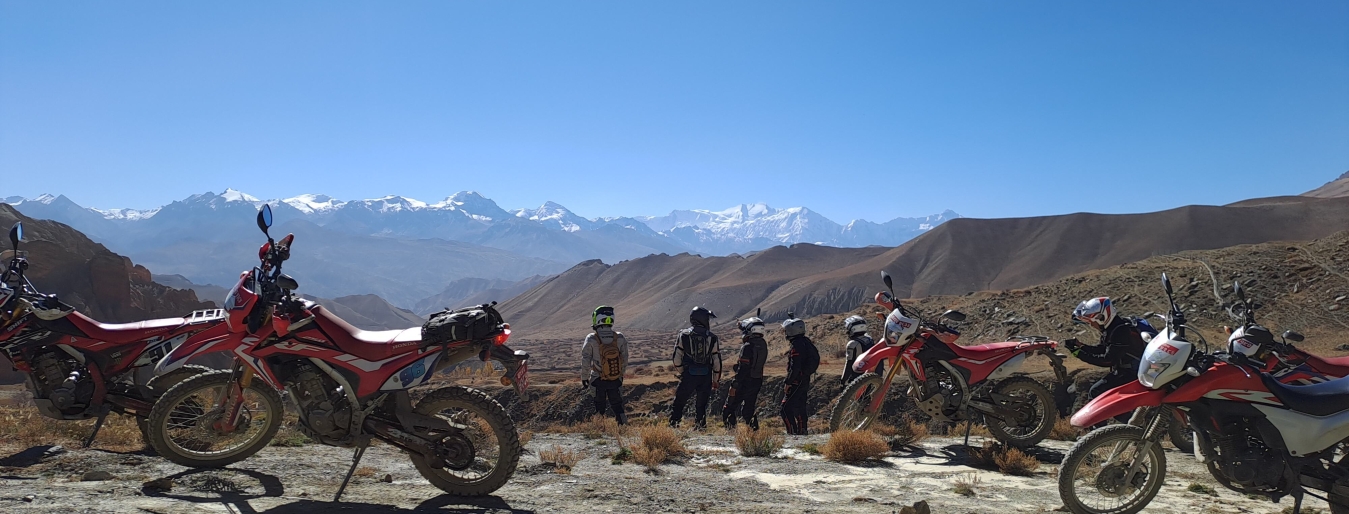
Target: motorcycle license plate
point(521, 378)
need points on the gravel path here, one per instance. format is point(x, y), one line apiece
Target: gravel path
point(714, 479)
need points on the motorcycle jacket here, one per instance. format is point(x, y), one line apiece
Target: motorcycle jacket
point(697, 352)
point(753, 355)
point(802, 360)
point(855, 347)
point(1120, 349)
point(604, 355)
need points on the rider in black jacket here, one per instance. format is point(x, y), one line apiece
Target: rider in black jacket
point(748, 380)
point(802, 361)
point(1120, 349)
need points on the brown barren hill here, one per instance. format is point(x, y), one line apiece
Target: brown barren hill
point(1335, 188)
point(960, 256)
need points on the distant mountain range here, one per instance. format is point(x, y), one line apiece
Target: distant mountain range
point(408, 251)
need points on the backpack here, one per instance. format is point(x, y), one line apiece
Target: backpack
point(611, 359)
point(809, 356)
point(467, 324)
point(698, 350)
point(1143, 326)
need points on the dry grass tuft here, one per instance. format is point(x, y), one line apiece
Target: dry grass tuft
point(986, 456)
point(594, 428)
point(525, 438)
point(1064, 431)
point(652, 458)
point(958, 430)
point(561, 458)
point(758, 443)
point(365, 472)
point(663, 438)
point(967, 485)
point(1012, 461)
point(24, 426)
point(902, 435)
point(852, 447)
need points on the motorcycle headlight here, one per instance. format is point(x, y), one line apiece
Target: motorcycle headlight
point(1155, 369)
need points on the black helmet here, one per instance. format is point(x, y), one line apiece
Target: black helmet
point(701, 317)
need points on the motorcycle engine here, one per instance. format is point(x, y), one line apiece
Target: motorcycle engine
point(940, 396)
point(324, 409)
point(62, 380)
point(1245, 459)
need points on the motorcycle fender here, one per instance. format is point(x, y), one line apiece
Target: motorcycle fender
point(1117, 401)
point(208, 341)
point(1007, 368)
point(868, 360)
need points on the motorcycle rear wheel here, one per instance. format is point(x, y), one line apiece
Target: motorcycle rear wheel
point(1043, 413)
point(486, 451)
point(180, 422)
point(850, 411)
point(1121, 441)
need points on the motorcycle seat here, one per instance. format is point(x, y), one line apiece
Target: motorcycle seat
point(118, 333)
point(371, 345)
point(1321, 399)
point(1335, 366)
point(983, 351)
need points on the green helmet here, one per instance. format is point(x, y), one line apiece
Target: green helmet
point(603, 315)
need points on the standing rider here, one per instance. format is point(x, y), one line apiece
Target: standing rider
point(802, 361)
point(744, 393)
point(1121, 346)
point(697, 358)
point(858, 343)
point(604, 358)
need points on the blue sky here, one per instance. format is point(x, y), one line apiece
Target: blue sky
point(855, 109)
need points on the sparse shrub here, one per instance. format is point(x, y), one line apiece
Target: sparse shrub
point(525, 438)
point(1198, 488)
point(25, 426)
point(1012, 461)
point(623, 455)
point(364, 472)
point(902, 435)
point(967, 484)
point(986, 456)
point(561, 458)
point(652, 458)
point(757, 443)
point(811, 448)
point(662, 438)
point(1064, 431)
point(958, 430)
point(852, 447)
point(289, 437)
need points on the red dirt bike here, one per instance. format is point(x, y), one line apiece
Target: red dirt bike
point(351, 386)
point(951, 382)
point(1256, 434)
point(78, 368)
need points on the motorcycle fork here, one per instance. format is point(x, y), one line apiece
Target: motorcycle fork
point(878, 397)
point(232, 401)
point(1151, 434)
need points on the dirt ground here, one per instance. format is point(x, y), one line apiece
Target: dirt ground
point(714, 479)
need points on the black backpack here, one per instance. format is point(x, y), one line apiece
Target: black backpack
point(698, 349)
point(467, 324)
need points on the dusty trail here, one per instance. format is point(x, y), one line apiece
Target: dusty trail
point(713, 479)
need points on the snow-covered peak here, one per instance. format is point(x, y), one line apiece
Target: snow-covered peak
point(394, 203)
point(474, 205)
point(312, 204)
point(233, 195)
point(45, 199)
point(126, 214)
point(554, 214)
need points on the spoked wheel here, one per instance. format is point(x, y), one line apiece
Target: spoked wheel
point(1033, 403)
point(161, 384)
point(1107, 472)
point(479, 454)
point(1180, 433)
point(185, 424)
point(851, 412)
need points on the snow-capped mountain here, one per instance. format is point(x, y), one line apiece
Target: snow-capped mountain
point(551, 214)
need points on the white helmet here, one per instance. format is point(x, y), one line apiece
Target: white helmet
point(1097, 312)
point(752, 326)
point(855, 325)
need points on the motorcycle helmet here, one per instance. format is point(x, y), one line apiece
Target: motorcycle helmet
point(752, 327)
point(855, 325)
point(1097, 312)
point(1250, 340)
point(603, 315)
point(794, 327)
point(701, 317)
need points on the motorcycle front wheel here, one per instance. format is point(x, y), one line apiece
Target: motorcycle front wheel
point(480, 454)
point(184, 428)
point(851, 411)
point(1095, 475)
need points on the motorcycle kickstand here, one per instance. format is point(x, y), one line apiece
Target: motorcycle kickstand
point(968, 426)
point(1297, 501)
point(102, 416)
point(355, 461)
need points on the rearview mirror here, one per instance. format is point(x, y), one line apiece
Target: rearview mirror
point(287, 283)
point(1241, 292)
point(889, 282)
point(265, 218)
point(955, 316)
point(16, 235)
point(1293, 336)
point(1166, 283)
